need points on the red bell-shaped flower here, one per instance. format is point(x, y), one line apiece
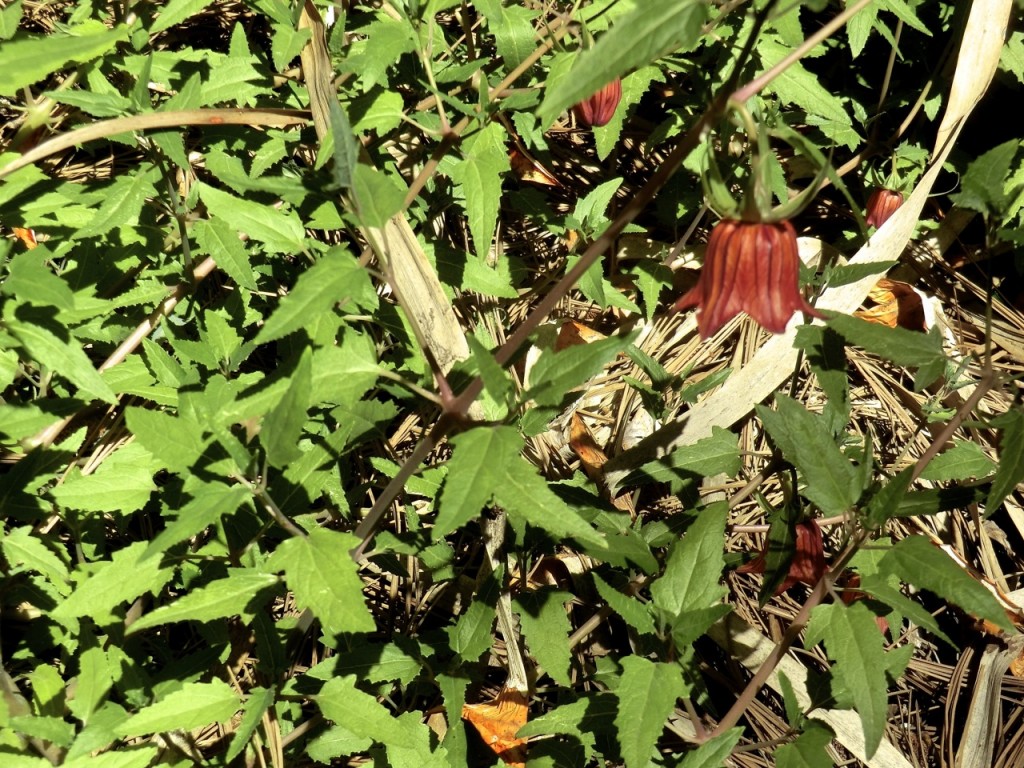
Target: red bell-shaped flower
point(882, 203)
point(808, 563)
point(600, 108)
point(752, 267)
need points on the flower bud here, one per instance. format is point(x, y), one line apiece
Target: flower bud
point(881, 205)
point(752, 267)
point(600, 108)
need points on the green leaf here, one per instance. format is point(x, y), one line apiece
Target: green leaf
point(282, 427)
point(917, 561)
point(122, 203)
point(634, 86)
point(29, 60)
point(216, 238)
point(336, 277)
point(830, 479)
point(528, 498)
point(709, 456)
point(211, 502)
point(122, 483)
point(556, 373)
point(810, 750)
point(961, 461)
point(983, 186)
point(378, 195)
point(512, 27)
point(476, 468)
point(880, 589)
point(471, 635)
point(715, 752)
point(10, 18)
point(61, 355)
point(826, 356)
point(406, 737)
point(478, 176)
point(799, 86)
point(176, 11)
point(651, 30)
point(109, 584)
point(193, 706)
point(693, 571)
point(647, 695)
point(545, 624)
point(632, 611)
point(176, 441)
point(1010, 471)
point(258, 702)
point(30, 280)
point(279, 230)
point(95, 679)
point(903, 347)
point(23, 550)
point(219, 599)
point(326, 580)
point(855, 645)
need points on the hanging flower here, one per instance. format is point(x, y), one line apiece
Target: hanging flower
point(752, 267)
point(882, 203)
point(599, 109)
point(808, 563)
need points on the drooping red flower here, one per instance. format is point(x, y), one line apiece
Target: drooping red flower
point(752, 267)
point(808, 563)
point(882, 203)
point(600, 108)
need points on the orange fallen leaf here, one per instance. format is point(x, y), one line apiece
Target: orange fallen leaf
point(27, 237)
point(583, 445)
point(497, 723)
point(572, 333)
point(896, 304)
point(526, 168)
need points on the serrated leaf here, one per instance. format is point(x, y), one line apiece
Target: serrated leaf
point(219, 599)
point(545, 625)
point(1010, 471)
point(122, 203)
point(634, 86)
point(632, 611)
point(280, 231)
point(715, 752)
point(855, 645)
point(326, 580)
point(29, 60)
point(693, 571)
point(810, 750)
point(23, 550)
point(124, 577)
point(65, 357)
point(647, 695)
point(379, 196)
point(512, 27)
point(256, 704)
point(829, 477)
point(194, 705)
point(335, 278)
point(95, 679)
point(122, 483)
point(709, 456)
point(983, 186)
point(30, 280)
point(476, 468)
point(215, 501)
point(879, 589)
point(917, 561)
point(527, 497)
point(176, 11)
point(282, 427)
point(556, 373)
point(10, 18)
point(478, 175)
point(961, 461)
point(217, 239)
point(472, 634)
point(903, 347)
point(799, 86)
point(651, 30)
point(175, 441)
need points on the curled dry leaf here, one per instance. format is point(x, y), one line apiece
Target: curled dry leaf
point(808, 563)
point(498, 721)
point(895, 304)
point(27, 237)
point(526, 168)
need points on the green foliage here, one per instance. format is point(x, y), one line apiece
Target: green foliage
point(209, 376)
